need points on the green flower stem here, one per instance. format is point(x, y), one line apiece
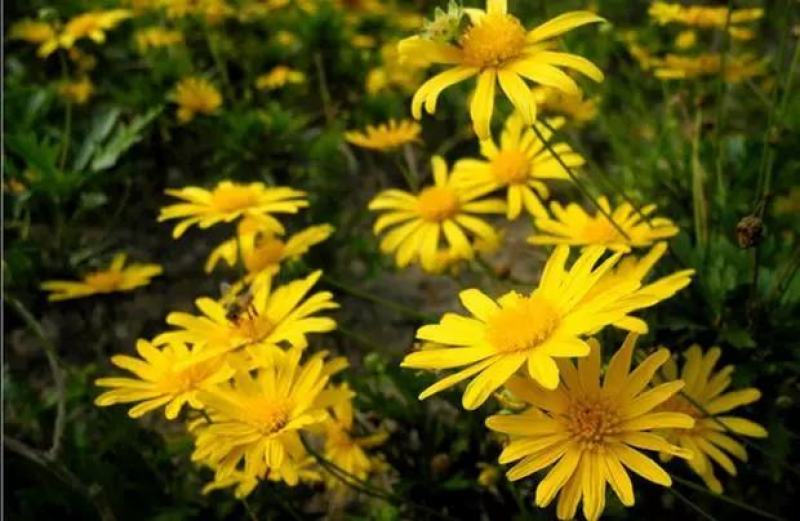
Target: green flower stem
point(388, 304)
point(734, 502)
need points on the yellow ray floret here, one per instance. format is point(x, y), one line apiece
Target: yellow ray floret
point(267, 317)
point(279, 77)
point(229, 201)
point(386, 136)
point(518, 165)
point(590, 433)
point(713, 437)
point(515, 330)
point(574, 226)
point(256, 418)
point(117, 277)
point(444, 212)
point(496, 48)
point(195, 95)
point(169, 377)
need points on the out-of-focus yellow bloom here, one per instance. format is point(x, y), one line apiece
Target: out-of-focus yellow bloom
point(575, 107)
point(489, 475)
point(362, 41)
point(386, 136)
point(445, 212)
point(737, 67)
point(156, 37)
point(229, 201)
point(195, 95)
point(496, 48)
point(705, 399)
point(169, 377)
point(591, 432)
point(531, 331)
point(117, 277)
point(92, 25)
point(789, 204)
point(686, 40)
point(35, 32)
point(707, 17)
point(266, 317)
point(262, 251)
point(519, 165)
point(278, 77)
point(286, 38)
point(77, 91)
point(213, 11)
point(257, 417)
point(572, 225)
point(14, 186)
point(363, 7)
point(143, 6)
point(83, 61)
point(394, 73)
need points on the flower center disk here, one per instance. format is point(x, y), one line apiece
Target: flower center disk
point(104, 280)
point(523, 326)
point(234, 197)
point(592, 421)
point(437, 204)
point(493, 41)
point(511, 167)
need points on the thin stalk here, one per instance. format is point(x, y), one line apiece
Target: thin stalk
point(219, 64)
point(577, 182)
point(250, 513)
point(54, 362)
point(726, 40)
point(726, 499)
point(411, 163)
point(363, 341)
point(325, 93)
point(691, 504)
point(66, 138)
point(388, 304)
point(699, 201)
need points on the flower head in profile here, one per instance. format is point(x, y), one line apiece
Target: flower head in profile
point(532, 331)
point(117, 277)
point(519, 165)
point(734, 68)
point(262, 251)
point(496, 48)
point(591, 433)
point(342, 447)
point(156, 37)
point(574, 226)
point(707, 399)
point(261, 318)
point(78, 91)
point(229, 201)
point(256, 418)
point(169, 377)
point(92, 25)
point(386, 136)
point(707, 17)
point(442, 213)
point(278, 77)
point(195, 95)
point(575, 107)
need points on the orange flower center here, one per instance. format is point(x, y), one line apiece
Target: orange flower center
point(437, 204)
point(270, 416)
point(493, 41)
point(104, 281)
point(268, 253)
point(511, 167)
point(591, 421)
point(523, 326)
point(600, 231)
point(187, 379)
point(252, 326)
point(233, 197)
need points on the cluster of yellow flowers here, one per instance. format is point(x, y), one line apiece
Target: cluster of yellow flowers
point(517, 347)
point(734, 68)
point(256, 401)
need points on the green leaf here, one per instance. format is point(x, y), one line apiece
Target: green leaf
point(124, 137)
point(102, 124)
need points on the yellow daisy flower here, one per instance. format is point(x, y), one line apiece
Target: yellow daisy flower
point(342, 448)
point(268, 317)
point(518, 165)
point(404, 75)
point(737, 67)
point(92, 25)
point(707, 17)
point(503, 335)
point(572, 225)
point(497, 49)
point(278, 77)
point(257, 416)
point(592, 433)
point(156, 37)
point(117, 277)
point(636, 268)
point(35, 32)
point(195, 95)
point(262, 251)
point(171, 377)
point(420, 220)
point(77, 91)
point(229, 201)
point(686, 40)
point(386, 136)
point(706, 401)
point(574, 106)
